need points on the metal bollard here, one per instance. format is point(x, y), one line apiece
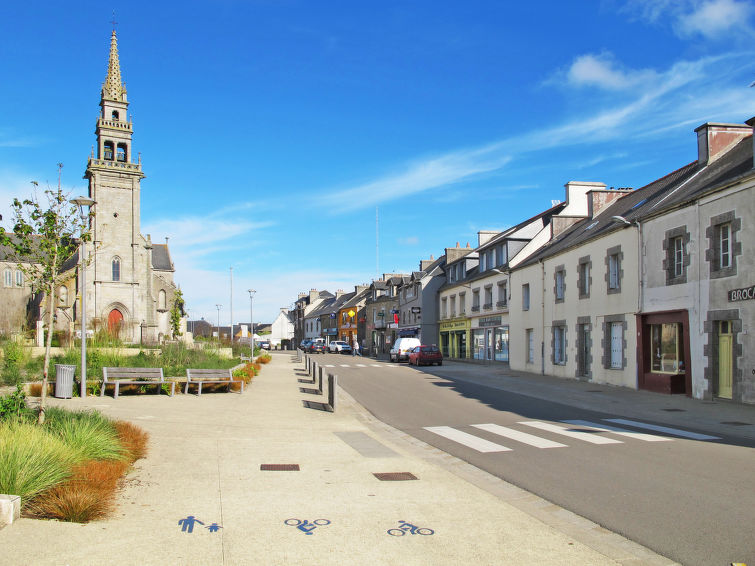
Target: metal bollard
point(319, 383)
point(314, 369)
point(332, 384)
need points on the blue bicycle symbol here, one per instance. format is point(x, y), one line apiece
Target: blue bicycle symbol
point(409, 528)
point(305, 526)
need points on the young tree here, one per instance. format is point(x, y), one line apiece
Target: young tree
point(176, 313)
point(45, 236)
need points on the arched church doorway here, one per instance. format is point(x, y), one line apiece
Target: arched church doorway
point(114, 322)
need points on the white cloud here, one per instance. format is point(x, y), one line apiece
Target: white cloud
point(408, 241)
point(602, 71)
point(715, 18)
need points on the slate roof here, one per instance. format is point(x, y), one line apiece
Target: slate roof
point(675, 189)
point(161, 260)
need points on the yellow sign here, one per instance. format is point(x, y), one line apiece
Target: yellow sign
point(351, 313)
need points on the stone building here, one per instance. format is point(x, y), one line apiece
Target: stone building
point(129, 280)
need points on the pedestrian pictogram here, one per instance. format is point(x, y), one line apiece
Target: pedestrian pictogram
point(188, 522)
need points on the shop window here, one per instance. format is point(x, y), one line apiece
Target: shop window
point(723, 247)
point(667, 355)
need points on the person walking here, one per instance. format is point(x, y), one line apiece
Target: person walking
point(355, 349)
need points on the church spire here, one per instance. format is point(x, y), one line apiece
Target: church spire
point(113, 88)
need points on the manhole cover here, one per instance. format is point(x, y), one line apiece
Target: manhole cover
point(279, 467)
point(736, 423)
point(395, 476)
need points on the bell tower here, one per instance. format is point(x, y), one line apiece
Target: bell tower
point(119, 268)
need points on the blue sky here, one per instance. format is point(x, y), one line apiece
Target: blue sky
point(270, 131)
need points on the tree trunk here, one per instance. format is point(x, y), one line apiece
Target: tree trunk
point(48, 345)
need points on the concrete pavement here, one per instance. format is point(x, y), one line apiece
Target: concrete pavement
point(204, 464)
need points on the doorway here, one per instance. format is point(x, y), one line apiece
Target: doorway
point(725, 359)
point(114, 322)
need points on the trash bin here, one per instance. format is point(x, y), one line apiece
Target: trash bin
point(64, 381)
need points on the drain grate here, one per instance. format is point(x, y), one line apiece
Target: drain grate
point(594, 391)
point(736, 423)
point(279, 467)
point(675, 410)
point(395, 476)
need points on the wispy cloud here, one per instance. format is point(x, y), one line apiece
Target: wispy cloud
point(653, 101)
point(711, 19)
point(408, 241)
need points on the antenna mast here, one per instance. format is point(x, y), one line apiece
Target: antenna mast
point(377, 246)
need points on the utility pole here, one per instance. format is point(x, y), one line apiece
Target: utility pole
point(231, 305)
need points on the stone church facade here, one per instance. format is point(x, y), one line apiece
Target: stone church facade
point(129, 279)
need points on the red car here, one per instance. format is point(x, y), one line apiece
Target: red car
point(422, 355)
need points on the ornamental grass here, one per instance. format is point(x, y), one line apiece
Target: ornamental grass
point(89, 434)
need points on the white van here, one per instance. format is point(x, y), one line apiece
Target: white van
point(402, 347)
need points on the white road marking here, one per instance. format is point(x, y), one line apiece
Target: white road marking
point(586, 436)
point(345, 366)
point(375, 365)
point(674, 431)
point(524, 437)
point(621, 431)
point(470, 440)
point(329, 366)
point(361, 365)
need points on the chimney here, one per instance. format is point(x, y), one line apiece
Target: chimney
point(313, 295)
point(750, 122)
point(339, 293)
point(713, 139)
point(597, 200)
point(577, 201)
point(560, 224)
point(302, 295)
point(484, 236)
point(359, 288)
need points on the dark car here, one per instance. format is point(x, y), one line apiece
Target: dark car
point(424, 355)
point(305, 344)
point(317, 348)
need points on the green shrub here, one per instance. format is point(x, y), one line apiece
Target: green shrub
point(89, 434)
point(31, 459)
point(13, 406)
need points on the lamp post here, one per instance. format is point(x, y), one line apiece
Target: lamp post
point(84, 203)
point(251, 316)
point(218, 307)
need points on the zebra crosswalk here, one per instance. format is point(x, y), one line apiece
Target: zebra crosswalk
point(579, 430)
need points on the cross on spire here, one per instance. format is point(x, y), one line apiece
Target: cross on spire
point(113, 20)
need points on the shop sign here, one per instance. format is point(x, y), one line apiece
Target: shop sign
point(455, 325)
point(489, 321)
point(748, 293)
point(416, 310)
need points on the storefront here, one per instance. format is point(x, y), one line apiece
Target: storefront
point(664, 353)
point(454, 338)
point(490, 339)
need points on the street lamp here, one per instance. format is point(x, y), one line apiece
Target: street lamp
point(84, 203)
point(251, 316)
point(218, 307)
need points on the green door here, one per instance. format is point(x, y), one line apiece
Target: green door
point(724, 360)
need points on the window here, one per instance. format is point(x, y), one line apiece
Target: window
point(8, 278)
point(114, 116)
point(584, 277)
point(444, 307)
point(560, 276)
point(530, 341)
point(453, 305)
point(502, 294)
point(476, 300)
point(617, 350)
point(488, 304)
point(666, 348)
point(63, 296)
point(526, 297)
point(559, 345)
point(723, 247)
point(678, 261)
point(116, 268)
point(109, 150)
point(161, 299)
point(613, 271)
point(19, 278)
point(121, 156)
point(462, 303)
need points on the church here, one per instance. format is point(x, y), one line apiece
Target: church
point(129, 279)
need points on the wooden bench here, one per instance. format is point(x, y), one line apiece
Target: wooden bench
point(200, 376)
point(117, 376)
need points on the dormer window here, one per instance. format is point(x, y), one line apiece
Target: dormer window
point(109, 150)
point(114, 116)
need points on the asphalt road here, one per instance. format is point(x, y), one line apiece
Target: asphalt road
point(691, 500)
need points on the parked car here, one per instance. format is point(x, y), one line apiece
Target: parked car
point(426, 355)
point(402, 347)
point(304, 346)
point(317, 347)
point(264, 344)
point(313, 343)
point(340, 347)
